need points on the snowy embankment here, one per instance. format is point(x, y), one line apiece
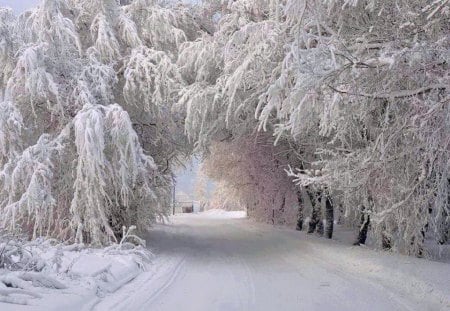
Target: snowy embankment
point(44, 275)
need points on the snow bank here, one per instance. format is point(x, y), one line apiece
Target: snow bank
point(42, 274)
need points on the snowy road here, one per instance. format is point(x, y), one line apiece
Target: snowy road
point(218, 261)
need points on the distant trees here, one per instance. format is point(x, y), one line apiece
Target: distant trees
point(224, 197)
point(250, 172)
point(201, 190)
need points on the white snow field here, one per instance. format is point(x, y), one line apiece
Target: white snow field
point(220, 260)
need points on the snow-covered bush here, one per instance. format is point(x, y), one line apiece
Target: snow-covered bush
point(43, 267)
point(16, 255)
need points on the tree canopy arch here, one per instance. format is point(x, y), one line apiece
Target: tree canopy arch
point(308, 103)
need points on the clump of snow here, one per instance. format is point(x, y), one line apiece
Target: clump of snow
point(46, 273)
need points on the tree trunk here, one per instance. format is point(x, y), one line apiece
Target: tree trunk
point(320, 226)
point(329, 217)
point(281, 214)
point(299, 226)
point(365, 222)
point(444, 226)
point(362, 234)
point(386, 242)
point(314, 221)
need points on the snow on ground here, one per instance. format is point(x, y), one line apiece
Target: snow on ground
point(70, 277)
point(216, 213)
point(220, 260)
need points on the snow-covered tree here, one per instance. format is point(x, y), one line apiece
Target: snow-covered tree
point(359, 89)
point(326, 103)
point(87, 133)
point(201, 189)
point(366, 84)
point(250, 172)
point(224, 197)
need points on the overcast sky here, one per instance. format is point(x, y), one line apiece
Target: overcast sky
point(19, 5)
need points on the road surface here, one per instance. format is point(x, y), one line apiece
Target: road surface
point(221, 261)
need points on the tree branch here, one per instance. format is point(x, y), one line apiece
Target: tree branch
point(395, 94)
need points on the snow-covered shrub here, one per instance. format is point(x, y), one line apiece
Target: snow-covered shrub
point(16, 255)
point(34, 269)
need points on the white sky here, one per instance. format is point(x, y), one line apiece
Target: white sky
point(186, 180)
point(19, 5)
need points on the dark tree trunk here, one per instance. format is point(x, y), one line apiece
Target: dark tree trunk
point(281, 214)
point(386, 242)
point(299, 226)
point(340, 219)
point(444, 228)
point(314, 215)
point(362, 234)
point(320, 226)
point(313, 221)
point(329, 217)
point(365, 223)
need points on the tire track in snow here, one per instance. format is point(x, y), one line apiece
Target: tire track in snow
point(150, 287)
point(249, 282)
point(166, 284)
point(247, 273)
